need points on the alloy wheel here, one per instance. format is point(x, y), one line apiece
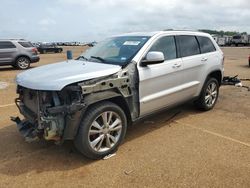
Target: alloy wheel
point(211, 94)
point(23, 63)
point(105, 131)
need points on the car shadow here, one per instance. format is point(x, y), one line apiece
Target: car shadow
point(160, 119)
point(18, 157)
point(245, 66)
point(10, 68)
point(7, 68)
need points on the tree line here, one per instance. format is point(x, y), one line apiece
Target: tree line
point(215, 32)
point(221, 33)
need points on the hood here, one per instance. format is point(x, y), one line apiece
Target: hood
point(58, 75)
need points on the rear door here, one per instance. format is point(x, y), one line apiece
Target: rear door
point(160, 83)
point(193, 64)
point(210, 56)
point(7, 52)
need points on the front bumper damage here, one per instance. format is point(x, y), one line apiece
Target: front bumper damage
point(46, 114)
point(26, 129)
point(56, 115)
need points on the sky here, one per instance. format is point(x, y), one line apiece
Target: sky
point(89, 20)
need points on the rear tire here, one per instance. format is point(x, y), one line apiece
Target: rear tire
point(209, 95)
point(22, 63)
point(101, 131)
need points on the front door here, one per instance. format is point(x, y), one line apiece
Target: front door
point(160, 83)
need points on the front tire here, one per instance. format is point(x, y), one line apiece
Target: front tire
point(101, 131)
point(209, 95)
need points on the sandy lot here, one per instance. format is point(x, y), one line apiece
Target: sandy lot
point(194, 149)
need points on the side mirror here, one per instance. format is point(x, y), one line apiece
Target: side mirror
point(153, 57)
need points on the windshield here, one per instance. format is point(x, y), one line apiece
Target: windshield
point(116, 50)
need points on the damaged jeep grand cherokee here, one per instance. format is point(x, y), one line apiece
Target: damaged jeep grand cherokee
point(92, 99)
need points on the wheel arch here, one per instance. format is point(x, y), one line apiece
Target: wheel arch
point(21, 55)
point(121, 102)
point(111, 96)
point(217, 75)
point(71, 128)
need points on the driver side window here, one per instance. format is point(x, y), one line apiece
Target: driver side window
point(167, 46)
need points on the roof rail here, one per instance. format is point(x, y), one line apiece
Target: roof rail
point(12, 39)
point(181, 30)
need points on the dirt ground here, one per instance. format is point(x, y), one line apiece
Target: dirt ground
point(193, 149)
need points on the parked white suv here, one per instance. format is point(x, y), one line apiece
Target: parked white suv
point(91, 100)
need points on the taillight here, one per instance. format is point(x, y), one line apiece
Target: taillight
point(223, 59)
point(34, 50)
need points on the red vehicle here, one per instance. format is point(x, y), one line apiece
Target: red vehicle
point(249, 60)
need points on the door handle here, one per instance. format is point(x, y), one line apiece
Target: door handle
point(176, 65)
point(204, 59)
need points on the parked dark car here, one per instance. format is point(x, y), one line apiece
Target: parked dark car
point(92, 44)
point(45, 48)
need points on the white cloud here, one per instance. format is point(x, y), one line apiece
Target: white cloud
point(161, 13)
point(96, 19)
point(47, 22)
point(22, 21)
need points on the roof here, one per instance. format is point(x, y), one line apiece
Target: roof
point(13, 40)
point(152, 33)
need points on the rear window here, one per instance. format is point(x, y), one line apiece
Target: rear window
point(26, 44)
point(188, 45)
point(6, 44)
point(206, 44)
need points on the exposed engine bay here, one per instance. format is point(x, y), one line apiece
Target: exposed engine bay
point(56, 115)
point(45, 112)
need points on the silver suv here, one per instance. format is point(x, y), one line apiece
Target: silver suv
point(18, 53)
point(92, 99)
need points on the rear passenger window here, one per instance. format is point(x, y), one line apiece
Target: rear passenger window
point(26, 44)
point(166, 45)
point(206, 44)
point(6, 44)
point(188, 45)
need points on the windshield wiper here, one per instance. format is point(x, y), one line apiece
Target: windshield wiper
point(82, 58)
point(99, 58)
